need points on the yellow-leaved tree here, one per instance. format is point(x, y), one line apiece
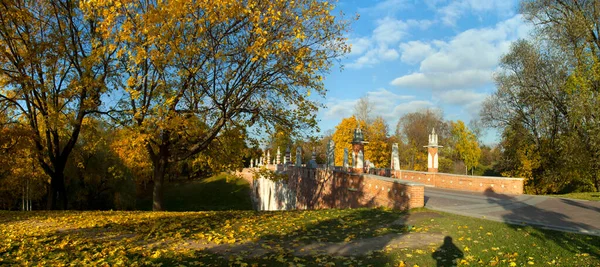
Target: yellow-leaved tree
point(379, 149)
point(466, 145)
point(54, 62)
point(193, 70)
point(342, 137)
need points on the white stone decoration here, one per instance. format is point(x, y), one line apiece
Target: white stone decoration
point(360, 160)
point(331, 154)
point(345, 157)
point(395, 158)
point(298, 156)
point(278, 160)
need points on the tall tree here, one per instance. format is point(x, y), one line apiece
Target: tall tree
point(379, 149)
point(466, 145)
point(414, 129)
point(54, 62)
point(549, 88)
point(233, 64)
point(363, 110)
point(342, 137)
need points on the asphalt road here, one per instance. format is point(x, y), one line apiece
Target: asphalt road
point(547, 212)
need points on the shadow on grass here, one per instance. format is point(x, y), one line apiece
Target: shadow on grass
point(521, 213)
point(447, 254)
point(279, 238)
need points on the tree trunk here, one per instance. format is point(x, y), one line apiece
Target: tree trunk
point(160, 164)
point(157, 194)
point(57, 191)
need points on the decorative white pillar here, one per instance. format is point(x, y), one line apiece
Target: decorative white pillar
point(395, 161)
point(298, 156)
point(345, 157)
point(432, 152)
point(278, 160)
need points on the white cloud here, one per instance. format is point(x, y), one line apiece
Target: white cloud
point(415, 51)
point(386, 6)
point(381, 45)
point(444, 80)
point(359, 45)
point(389, 105)
point(450, 13)
point(466, 61)
point(461, 97)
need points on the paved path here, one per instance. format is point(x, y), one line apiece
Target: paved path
point(546, 212)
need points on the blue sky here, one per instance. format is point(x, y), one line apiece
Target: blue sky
point(409, 55)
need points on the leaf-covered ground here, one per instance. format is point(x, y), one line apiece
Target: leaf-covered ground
point(354, 237)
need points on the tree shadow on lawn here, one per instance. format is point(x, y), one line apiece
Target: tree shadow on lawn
point(336, 236)
point(342, 239)
point(521, 213)
point(594, 206)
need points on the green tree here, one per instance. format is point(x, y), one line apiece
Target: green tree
point(548, 87)
point(466, 145)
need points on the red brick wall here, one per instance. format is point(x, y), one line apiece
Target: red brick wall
point(464, 182)
point(319, 188)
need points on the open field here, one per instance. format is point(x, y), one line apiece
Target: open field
point(354, 237)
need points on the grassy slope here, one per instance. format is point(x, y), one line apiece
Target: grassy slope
point(220, 192)
point(147, 238)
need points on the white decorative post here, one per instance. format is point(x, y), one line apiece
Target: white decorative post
point(345, 157)
point(278, 160)
point(313, 161)
point(432, 155)
point(298, 156)
point(331, 154)
point(251, 163)
point(268, 157)
point(288, 154)
point(395, 164)
point(358, 147)
point(360, 160)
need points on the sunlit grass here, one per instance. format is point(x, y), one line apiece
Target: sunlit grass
point(274, 239)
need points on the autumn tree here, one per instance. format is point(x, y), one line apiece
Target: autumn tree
point(342, 137)
point(363, 110)
point(379, 149)
point(466, 145)
point(413, 130)
point(55, 59)
point(547, 89)
point(228, 65)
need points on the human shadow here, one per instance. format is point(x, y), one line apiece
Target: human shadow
point(447, 254)
point(551, 225)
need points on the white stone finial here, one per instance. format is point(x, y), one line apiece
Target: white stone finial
point(433, 138)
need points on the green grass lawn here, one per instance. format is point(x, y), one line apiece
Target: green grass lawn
point(594, 196)
point(220, 192)
point(249, 238)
